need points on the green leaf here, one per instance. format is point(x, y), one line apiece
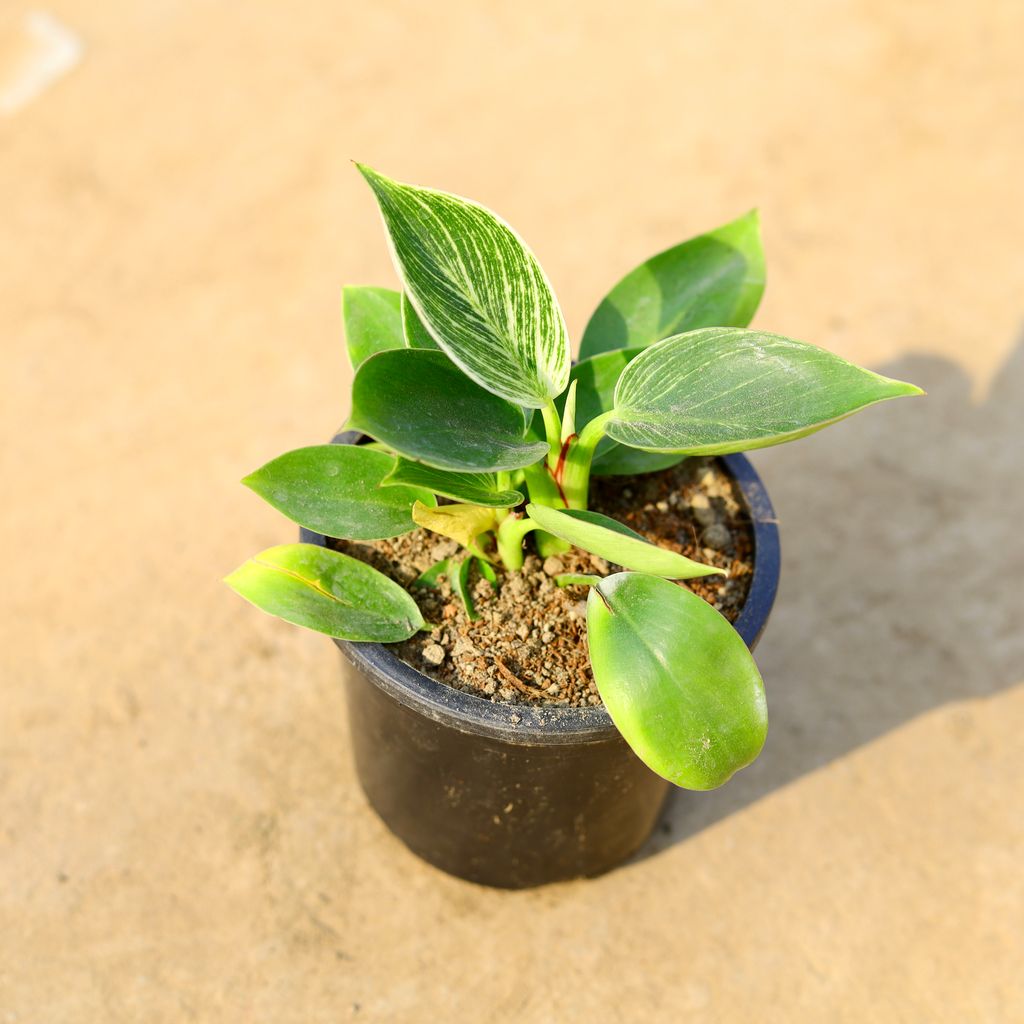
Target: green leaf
point(373, 322)
point(676, 678)
point(460, 584)
point(723, 389)
point(568, 410)
point(623, 461)
point(322, 589)
point(473, 488)
point(416, 335)
point(488, 572)
point(335, 490)
point(577, 579)
point(463, 523)
point(431, 576)
point(616, 542)
point(595, 380)
point(713, 280)
point(423, 406)
point(478, 290)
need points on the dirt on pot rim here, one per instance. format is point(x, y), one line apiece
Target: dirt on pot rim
point(529, 644)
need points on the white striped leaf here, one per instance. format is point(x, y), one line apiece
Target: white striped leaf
point(725, 389)
point(416, 335)
point(595, 380)
point(478, 290)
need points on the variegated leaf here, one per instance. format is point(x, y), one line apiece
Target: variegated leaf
point(725, 389)
point(416, 335)
point(478, 290)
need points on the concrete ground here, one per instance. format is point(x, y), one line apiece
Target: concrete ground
point(181, 834)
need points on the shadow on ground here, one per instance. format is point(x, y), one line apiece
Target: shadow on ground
point(902, 577)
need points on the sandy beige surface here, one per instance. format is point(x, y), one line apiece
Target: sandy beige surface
point(181, 834)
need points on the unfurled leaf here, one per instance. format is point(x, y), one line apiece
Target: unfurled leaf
point(424, 407)
point(713, 280)
point(616, 542)
point(676, 678)
point(722, 389)
point(463, 523)
point(335, 490)
point(478, 290)
point(595, 380)
point(416, 335)
point(472, 488)
point(373, 322)
point(322, 589)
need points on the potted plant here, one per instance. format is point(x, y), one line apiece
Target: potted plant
point(470, 421)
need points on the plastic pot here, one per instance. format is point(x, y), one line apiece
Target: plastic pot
point(508, 795)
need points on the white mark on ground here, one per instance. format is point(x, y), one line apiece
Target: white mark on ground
point(42, 51)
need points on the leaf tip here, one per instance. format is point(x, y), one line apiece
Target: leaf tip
point(904, 389)
point(373, 178)
point(232, 577)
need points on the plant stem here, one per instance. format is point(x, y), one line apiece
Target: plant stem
point(548, 544)
point(509, 536)
point(553, 431)
point(576, 472)
point(544, 491)
point(541, 485)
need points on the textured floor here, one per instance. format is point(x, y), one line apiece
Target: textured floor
point(181, 835)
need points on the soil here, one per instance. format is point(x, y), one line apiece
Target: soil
point(529, 644)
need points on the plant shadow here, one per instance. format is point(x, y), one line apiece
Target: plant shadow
point(901, 577)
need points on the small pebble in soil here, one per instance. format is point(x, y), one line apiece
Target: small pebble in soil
point(703, 511)
point(553, 566)
point(443, 549)
point(433, 654)
point(717, 537)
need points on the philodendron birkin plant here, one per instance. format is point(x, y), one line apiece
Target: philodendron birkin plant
point(465, 384)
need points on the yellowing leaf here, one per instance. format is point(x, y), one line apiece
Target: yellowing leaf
point(463, 523)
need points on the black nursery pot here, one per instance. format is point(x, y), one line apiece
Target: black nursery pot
point(509, 795)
